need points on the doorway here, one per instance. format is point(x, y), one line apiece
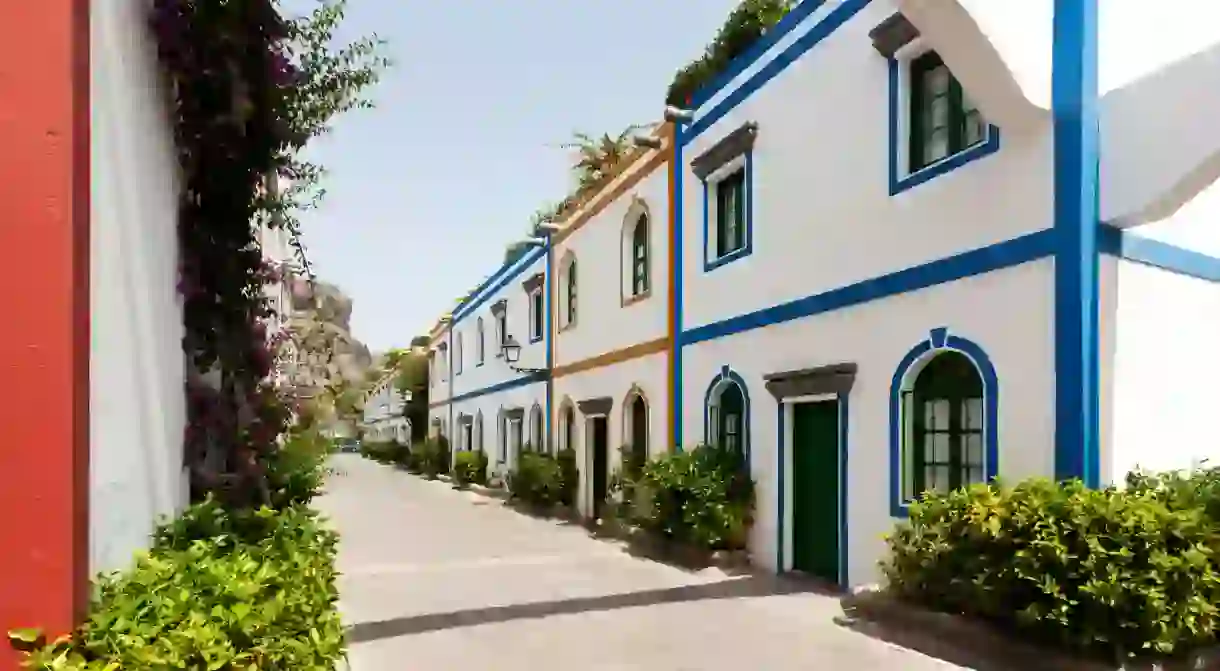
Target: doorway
point(599, 449)
point(816, 489)
point(467, 437)
point(639, 431)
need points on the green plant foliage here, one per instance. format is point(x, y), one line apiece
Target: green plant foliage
point(702, 497)
point(535, 480)
point(295, 472)
point(748, 22)
point(386, 452)
point(1125, 572)
point(470, 467)
point(220, 589)
point(430, 457)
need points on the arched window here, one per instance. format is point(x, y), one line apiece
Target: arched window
point(478, 431)
point(480, 344)
point(570, 287)
point(728, 413)
point(635, 427)
point(943, 425)
point(567, 428)
point(639, 256)
point(458, 352)
point(537, 439)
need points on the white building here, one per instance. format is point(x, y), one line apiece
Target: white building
point(494, 405)
point(383, 417)
point(891, 271)
point(611, 351)
point(438, 379)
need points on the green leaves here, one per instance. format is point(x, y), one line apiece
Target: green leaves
point(1132, 571)
point(701, 496)
point(470, 467)
point(542, 479)
point(219, 590)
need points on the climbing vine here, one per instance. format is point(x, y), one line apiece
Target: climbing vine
point(250, 88)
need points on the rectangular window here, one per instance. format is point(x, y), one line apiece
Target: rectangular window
point(731, 213)
point(502, 328)
point(537, 315)
point(943, 120)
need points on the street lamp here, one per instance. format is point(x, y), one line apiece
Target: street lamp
point(512, 354)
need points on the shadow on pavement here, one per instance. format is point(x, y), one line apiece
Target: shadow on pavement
point(751, 586)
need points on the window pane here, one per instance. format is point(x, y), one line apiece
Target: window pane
point(937, 80)
point(972, 414)
point(936, 146)
point(938, 116)
point(938, 448)
point(973, 443)
point(936, 414)
point(974, 476)
point(713, 418)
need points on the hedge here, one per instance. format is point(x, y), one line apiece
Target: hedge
point(1117, 572)
point(219, 589)
point(542, 479)
point(470, 467)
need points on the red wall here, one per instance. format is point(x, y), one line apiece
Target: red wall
point(44, 331)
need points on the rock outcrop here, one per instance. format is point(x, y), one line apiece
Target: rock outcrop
point(323, 356)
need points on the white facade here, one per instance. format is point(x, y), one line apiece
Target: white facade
point(853, 272)
point(611, 363)
point(497, 407)
point(438, 379)
point(383, 413)
point(136, 370)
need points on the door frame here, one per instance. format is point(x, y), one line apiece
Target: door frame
point(784, 542)
point(586, 497)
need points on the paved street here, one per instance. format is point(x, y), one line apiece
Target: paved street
point(436, 579)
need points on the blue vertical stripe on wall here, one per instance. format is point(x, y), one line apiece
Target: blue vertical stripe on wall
point(1074, 104)
point(679, 169)
point(550, 385)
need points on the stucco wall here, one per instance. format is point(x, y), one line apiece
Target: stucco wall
point(524, 397)
point(136, 367)
point(602, 251)
point(506, 286)
point(1016, 334)
point(822, 213)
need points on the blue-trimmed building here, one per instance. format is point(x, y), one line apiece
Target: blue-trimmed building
point(905, 260)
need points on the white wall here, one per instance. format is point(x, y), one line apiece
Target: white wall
point(495, 369)
point(648, 374)
point(604, 323)
point(1016, 334)
point(523, 397)
point(1165, 329)
point(823, 216)
point(137, 411)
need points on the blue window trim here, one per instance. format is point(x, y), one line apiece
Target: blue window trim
point(900, 180)
point(727, 374)
point(536, 336)
point(844, 484)
point(709, 263)
point(940, 340)
point(481, 352)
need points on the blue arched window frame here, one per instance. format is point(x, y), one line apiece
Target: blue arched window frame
point(727, 376)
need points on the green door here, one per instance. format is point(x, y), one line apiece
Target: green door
point(815, 489)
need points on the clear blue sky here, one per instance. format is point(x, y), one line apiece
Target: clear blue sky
point(426, 189)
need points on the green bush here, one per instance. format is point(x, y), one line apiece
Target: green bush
point(296, 471)
point(470, 467)
point(745, 25)
point(537, 479)
point(702, 497)
point(430, 457)
point(386, 452)
point(1124, 572)
point(569, 476)
point(218, 590)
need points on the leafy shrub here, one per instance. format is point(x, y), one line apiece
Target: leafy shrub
point(430, 457)
point(1125, 572)
point(537, 479)
point(470, 467)
point(386, 452)
point(703, 497)
point(296, 470)
point(218, 590)
point(745, 25)
point(569, 476)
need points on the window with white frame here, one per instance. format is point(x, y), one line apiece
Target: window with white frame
point(942, 426)
point(636, 252)
point(537, 314)
point(480, 346)
point(457, 355)
point(567, 291)
point(727, 209)
point(537, 437)
point(725, 170)
point(501, 328)
point(941, 119)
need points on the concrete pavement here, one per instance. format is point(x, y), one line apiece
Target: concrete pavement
point(436, 579)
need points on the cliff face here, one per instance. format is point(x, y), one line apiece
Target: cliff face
point(323, 355)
